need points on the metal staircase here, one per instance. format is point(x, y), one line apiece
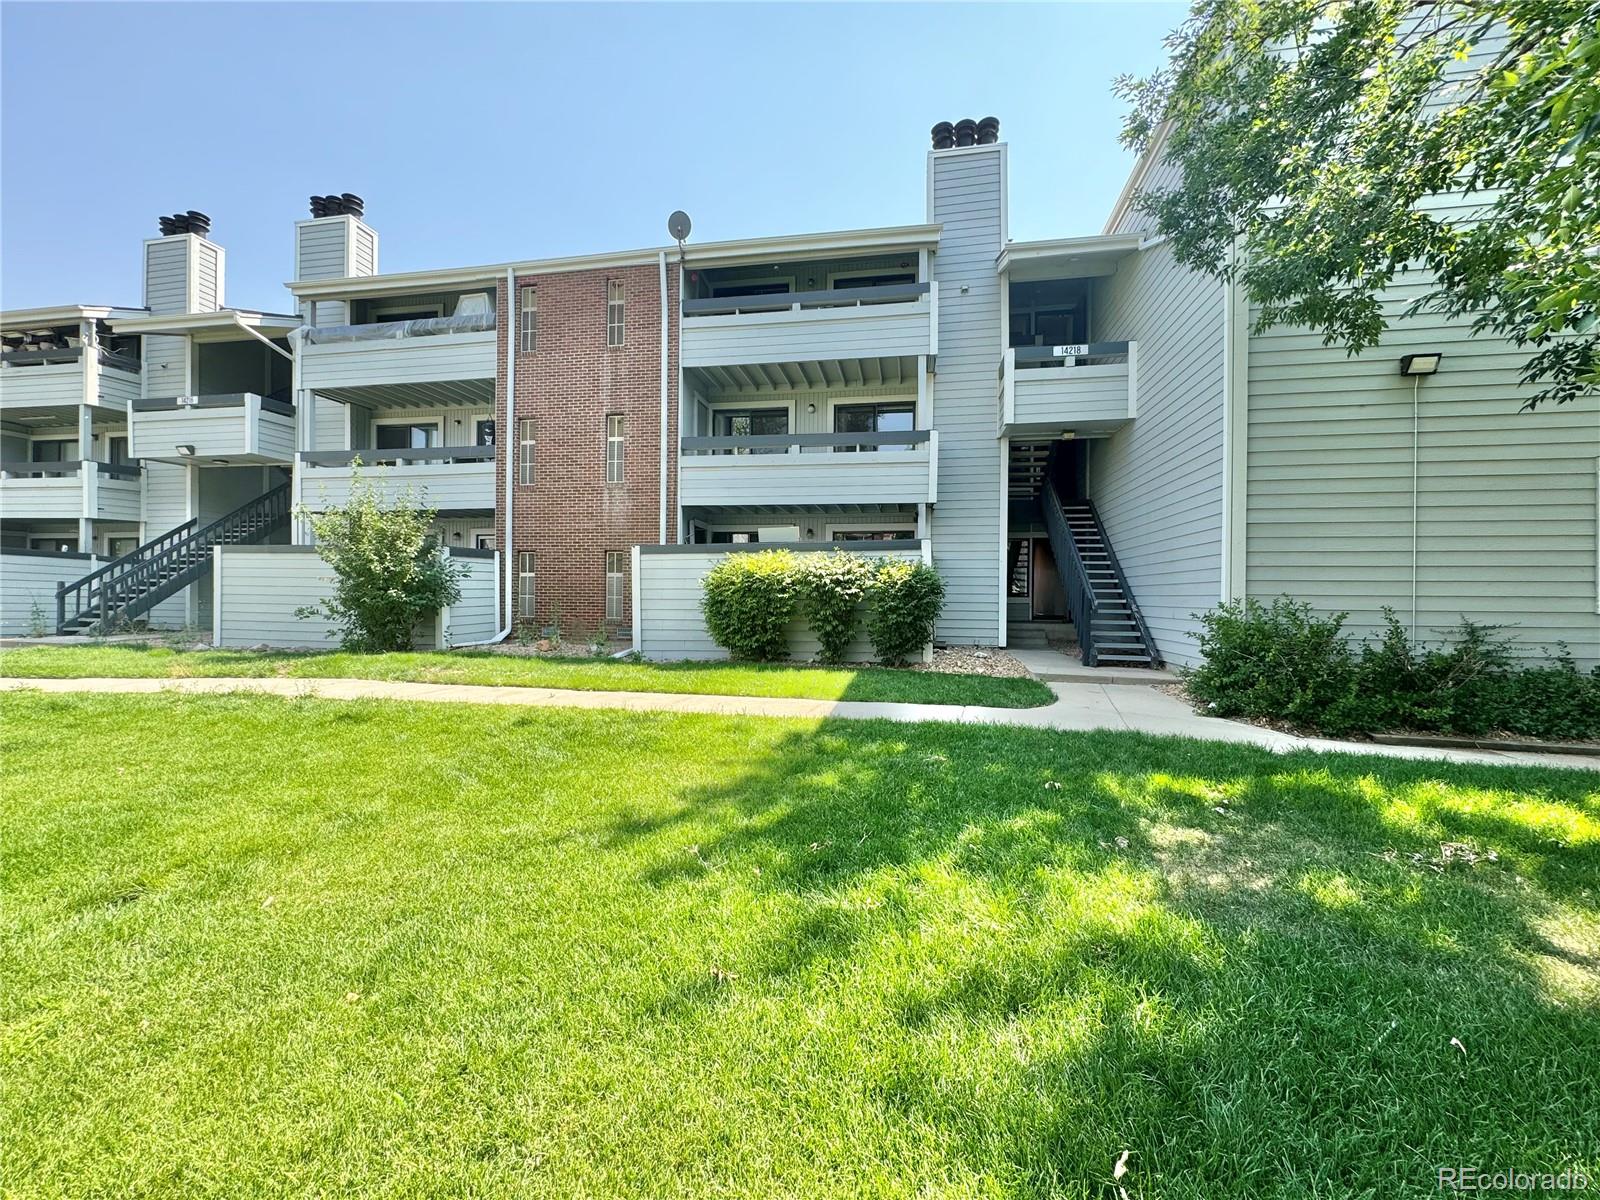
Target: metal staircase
point(1111, 630)
point(135, 583)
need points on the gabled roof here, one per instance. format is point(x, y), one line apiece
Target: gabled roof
point(1136, 177)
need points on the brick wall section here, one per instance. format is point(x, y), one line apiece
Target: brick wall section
point(570, 517)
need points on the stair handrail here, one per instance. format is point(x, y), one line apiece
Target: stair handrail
point(1122, 582)
point(113, 594)
point(80, 588)
point(1082, 605)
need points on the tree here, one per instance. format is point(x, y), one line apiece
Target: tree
point(1313, 139)
point(389, 574)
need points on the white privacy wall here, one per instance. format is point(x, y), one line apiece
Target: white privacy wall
point(259, 589)
point(667, 622)
point(29, 578)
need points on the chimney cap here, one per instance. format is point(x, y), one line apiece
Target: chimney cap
point(193, 221)
point(337, 204)
point(966, 132)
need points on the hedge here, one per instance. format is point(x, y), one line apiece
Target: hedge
point(749, 600)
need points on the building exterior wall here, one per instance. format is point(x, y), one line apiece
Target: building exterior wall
point(1158, 481)
point(1499, 525)
point(570, 517)
point(966, 192)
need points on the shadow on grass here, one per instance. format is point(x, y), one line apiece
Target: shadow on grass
point(1246, 968)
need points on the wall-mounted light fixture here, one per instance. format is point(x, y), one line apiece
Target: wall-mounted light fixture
point(1424, 362)
point(185, 449)
point(811, 408)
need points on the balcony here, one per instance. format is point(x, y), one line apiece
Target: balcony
point(33, 382)
point(1087, 390)
point(449, 478)
point(241, 428)
point(857, 336)
point(822, 472)
point(69, 491)
point(442, 360)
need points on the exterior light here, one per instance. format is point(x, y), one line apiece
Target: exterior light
point(1424, 363)
point(185, 449)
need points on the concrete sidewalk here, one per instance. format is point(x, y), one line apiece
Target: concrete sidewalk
point(1078, 706)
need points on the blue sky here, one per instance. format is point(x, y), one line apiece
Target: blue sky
point(488, 132)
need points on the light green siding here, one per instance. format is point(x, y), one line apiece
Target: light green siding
point(1499, 526)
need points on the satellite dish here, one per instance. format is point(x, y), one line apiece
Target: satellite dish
point(678, 225)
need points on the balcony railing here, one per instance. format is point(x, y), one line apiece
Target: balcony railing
point(70, 490)
point(1090, 388)
point(898, 320)
point(65, 354)
point(239, 426)
point(35, 379)
point(888, 293)
point(336, 359)
point(811, 469)
point(449, 478)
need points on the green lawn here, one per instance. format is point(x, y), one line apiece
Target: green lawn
point(258, 946)
point(585, 674)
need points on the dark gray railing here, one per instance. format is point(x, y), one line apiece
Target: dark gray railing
point(888, 293)
point(142, 578)
point(1127, 592)
point(221, 400)
point(370, 457)
point(27, 469)
point(784, 441)
point(1040, 356)
point(1081, 603)
point(66, 354)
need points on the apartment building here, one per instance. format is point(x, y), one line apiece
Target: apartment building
point(1079, 434)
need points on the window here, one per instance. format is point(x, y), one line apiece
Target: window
point(530, 319)
point(382, 316)
point(525, 597)
point(408, 435)
point(54, 545)
point(873, 535)
point(614, 318)
point(893, 417)
point(525, 444)
point(616, 578)
point(750, 422)
point(116, 547)
point(732, 537)
point(865, 281)
point(117, 449)
point(54, 451)
point(483, 432)
point(483, 539)
point(614, 448)
point(771, 287)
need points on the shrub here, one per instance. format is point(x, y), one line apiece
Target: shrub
point(748, 601)
point(1281, 662)
point(831, 588)
point(906, 599)
point(388, 572)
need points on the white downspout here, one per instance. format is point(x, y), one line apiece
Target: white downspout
point(260, 337)
point(661, 535)
point(1416, 440)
